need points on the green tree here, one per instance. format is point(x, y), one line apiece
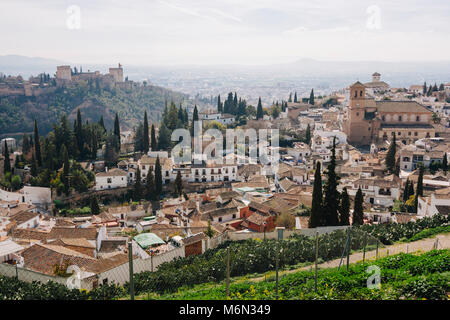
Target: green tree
point(308, 135)
point(295, 97)
point(37, 144)
point(117, 132)
point(331, 195)
point(259, 110)
point(419, 188)
point(219, 105)
point(344, 209)
point(316, 219)
point(178, 184)
point(26, 147)
point(145, 139)
point(7, 161)
point(153, 138)
point(209, 232)
point(150, 186)
point(79, 133)
point(390, 156)
point(66, 169)
point(424, 88)
point(194, 119)
point(358, 211)
point(311, 97)
point(163, 137)
point(445, 163)
point(16, 182)
point(137, 193)
point(95, 208)
point(406, 191)
point(158, 178)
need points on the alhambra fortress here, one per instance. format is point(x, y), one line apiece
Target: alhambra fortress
point(35, 86)
point(370, 121)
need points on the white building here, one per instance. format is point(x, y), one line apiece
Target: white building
point(111, 179)
point(437, 203)
point(377, 191)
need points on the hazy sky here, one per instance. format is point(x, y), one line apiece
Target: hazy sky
point(227, 31)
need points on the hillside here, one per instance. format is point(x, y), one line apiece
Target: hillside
point(17, 113)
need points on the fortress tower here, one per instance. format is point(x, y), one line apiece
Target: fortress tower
point(63, 73)
point(117, 73)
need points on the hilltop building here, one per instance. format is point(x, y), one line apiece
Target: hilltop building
point(369, 121)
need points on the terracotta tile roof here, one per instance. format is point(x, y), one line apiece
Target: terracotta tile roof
point(24, 216)
point(70, 233)
point(400, 106)
point(112, 173)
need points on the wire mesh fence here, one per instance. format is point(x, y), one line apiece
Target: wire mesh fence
point(215, 264)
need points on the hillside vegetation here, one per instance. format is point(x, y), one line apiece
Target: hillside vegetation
point(17, 113)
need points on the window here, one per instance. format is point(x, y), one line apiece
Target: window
point(409, 133)
point(415, 134)
point(203, 171)
point(399, 133)
point(399, 118)
point(167, 173)
point(143, 167)
point(357, 114)
point(417, 118)
point(220, 219)
point(383, 118)
point(109, 180)
point(234, 215)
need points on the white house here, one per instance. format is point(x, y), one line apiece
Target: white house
point(110, 179)
point(377, 191)
point(437, 203)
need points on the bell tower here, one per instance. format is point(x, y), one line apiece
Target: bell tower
point(357, 128)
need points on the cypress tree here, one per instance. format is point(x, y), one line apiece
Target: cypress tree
point(178, 184)
point(390, 156)
point(150, 186)
point(331, 195)
point(37, 144)
point(259, 110)
point(419, 188)
point(344, 209)
point(295, 97)
point(7, 162)
point(194, 118)
point(26, 146)
point(445, 163)
point(406, 191)
point(34, 166)
point(219, 105)
point(137, 193)
point(358, 211)
point(153, 138)
point(79, 133)
point(290, 97)
point(316, 216)
point(95, 208)
point(311, 97)
point(66, 169)
point(102, 123)
point(424, 88)
point(158, 178)
point(308, 134)
point(410, 189)
point(117, 132)
point(145, 140)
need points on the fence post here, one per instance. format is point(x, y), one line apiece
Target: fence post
point(348, 248)
point(364, 250)
point(151, 260)
point(316, 260)
point(376, 254)
point(277, 248)
point(130, 265)
point(228, 272)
